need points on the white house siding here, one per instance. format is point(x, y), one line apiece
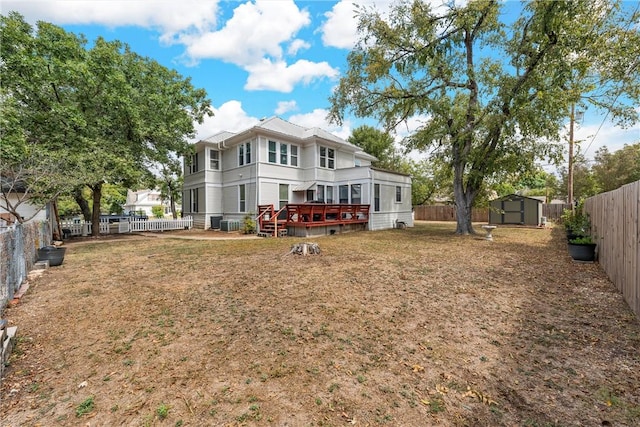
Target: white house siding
point(26, 209)
point(262, 179)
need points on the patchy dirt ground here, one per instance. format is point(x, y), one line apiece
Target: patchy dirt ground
point(411, 327)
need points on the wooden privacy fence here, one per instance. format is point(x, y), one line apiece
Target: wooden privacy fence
point(614, 225)
point(448, 213)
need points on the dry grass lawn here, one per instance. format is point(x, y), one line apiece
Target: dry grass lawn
point(411, 327)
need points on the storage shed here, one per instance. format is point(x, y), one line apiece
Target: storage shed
point(516, 209)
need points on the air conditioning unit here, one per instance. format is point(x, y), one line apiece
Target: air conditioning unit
point(230, 225)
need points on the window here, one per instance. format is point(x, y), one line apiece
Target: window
point(194, 200)
point(247, 153)
point(376, 197)
point(214, 159)
point(193, 165)
point(356, 194)
point(398, 194)
point(283, 194)
point(244, 154)
point(327, 158)
point(272, 151)
point(242, 198)
point(330, 194)
point(344, 193)
point(282, 153)
point(320, 193)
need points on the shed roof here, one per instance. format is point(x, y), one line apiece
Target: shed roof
point(515, 196)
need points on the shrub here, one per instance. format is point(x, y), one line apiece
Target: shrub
point(248, 224)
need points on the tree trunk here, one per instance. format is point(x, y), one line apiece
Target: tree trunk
point(172, 202)
point(464, 198)
point(95, 216)
point(82, 203)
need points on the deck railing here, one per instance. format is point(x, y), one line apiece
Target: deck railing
point(313, 215)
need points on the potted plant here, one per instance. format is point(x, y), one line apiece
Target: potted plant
point(582, 248)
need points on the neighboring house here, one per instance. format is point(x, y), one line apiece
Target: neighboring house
point(142, 201)
point(16, 194)
point(306, 171)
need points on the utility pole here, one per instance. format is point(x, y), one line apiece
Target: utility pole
point(570, 171)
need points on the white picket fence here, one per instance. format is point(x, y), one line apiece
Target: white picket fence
point(83, 228)
point(159, 224)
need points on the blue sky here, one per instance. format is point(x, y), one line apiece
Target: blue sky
point(254, 58)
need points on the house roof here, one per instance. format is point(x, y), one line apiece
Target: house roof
point(278, 126)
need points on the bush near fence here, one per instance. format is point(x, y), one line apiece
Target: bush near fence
point(614, 226)
point(19, 246)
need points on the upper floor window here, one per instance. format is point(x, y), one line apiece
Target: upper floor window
point(193, 165)
point(327, 158)
point(272, 151)
point(214, 159)
point(244, 154)
point(285, 154)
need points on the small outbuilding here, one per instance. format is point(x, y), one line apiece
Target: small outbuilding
point(516, 209)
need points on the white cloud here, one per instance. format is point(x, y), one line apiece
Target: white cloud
point(168, 17)
point(318, 118)
point(341, 27)
point(228, 117)
point(279, 76)
point(286, 106)
point(591, 137)
point(254, 31)
point(296, 46)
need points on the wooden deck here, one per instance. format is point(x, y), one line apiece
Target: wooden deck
point(310, 215)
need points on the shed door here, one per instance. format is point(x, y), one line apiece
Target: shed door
point(513, 211)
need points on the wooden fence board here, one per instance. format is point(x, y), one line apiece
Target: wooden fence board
point(614, 223)
point(552, 212)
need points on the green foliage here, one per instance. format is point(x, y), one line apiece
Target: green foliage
point(613, 170)
point(576, 221)
point(85, 407)
point(378, 144)
point(582, 240)
point(162, 411)
point(157, 211)
point(492, 95)
point(62, 111)
point(249, 224)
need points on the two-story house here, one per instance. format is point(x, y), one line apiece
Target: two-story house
point(314, 182)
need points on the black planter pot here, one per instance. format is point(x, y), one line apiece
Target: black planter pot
point(54, 255)
point(582, 251)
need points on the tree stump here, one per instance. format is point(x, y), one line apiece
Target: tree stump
point(305, 249)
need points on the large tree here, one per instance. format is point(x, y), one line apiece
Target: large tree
point(108, 114)
point(494, 95)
